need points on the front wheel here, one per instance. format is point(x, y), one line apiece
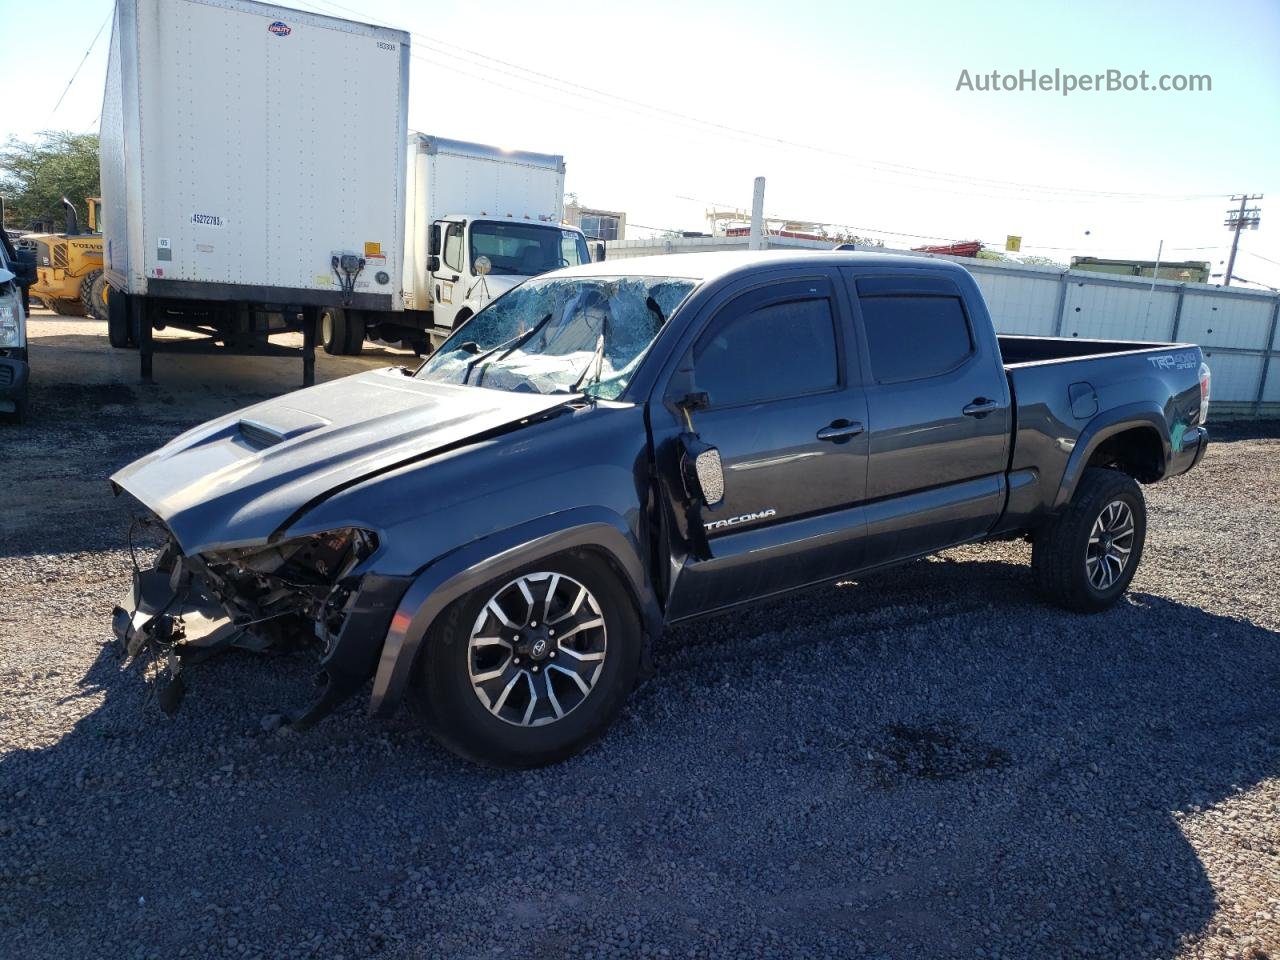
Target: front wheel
point(1085, 558)
point(532, 667)
point(94, 294)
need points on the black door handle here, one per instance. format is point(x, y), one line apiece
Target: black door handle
point(841, 430)
point(980, 407)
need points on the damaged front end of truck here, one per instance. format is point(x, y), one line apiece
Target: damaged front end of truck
point(303, 594)
point(252, 554)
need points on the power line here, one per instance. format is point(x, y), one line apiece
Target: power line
point(1261, 257)
point(76, 72)
point(573, 89)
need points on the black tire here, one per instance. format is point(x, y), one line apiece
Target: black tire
point(66, 308)
point(341, 331)
point(118, 332)
point(333, 330)
point(1061, 562)
point(355, 333)
point(443, 694)
point(93, 295)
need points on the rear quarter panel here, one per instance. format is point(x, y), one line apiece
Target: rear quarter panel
point(1156, 389)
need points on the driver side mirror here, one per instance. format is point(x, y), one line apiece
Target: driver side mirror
point(433, 264)
point(599, 252)
point(700, 466)
point(701, 470)
point(433, 240)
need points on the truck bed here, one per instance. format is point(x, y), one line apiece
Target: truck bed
point(1022, 350)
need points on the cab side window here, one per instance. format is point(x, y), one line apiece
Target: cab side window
point(453, 246)
point(777, 350)
point(914, 335)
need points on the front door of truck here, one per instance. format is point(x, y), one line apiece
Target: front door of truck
point(939, 415)
point(447, 280)
point(788, 417)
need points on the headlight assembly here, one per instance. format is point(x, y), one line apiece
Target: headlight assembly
point(10, 334)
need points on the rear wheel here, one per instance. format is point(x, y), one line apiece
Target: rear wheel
point(118, 332)
point(1085, 559)
point(341, 331)
point(355, 333)
point(93, 295)
point(532, 667)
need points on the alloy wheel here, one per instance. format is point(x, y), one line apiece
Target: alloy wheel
point(1110, 545)
point(537, 649)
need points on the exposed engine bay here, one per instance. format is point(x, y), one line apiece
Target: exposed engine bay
point(292, 595)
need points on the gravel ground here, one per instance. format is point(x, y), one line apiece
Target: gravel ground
point(928, 763)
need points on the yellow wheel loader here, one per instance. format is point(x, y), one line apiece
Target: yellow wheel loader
point(69, 278)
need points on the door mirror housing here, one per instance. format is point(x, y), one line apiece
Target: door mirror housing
point(433, 241)
point(700, 467)
point(701, 470)
point(433, 264)
point(599, 252)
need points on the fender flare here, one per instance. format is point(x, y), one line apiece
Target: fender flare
point(1108, 424)
point(459, 572)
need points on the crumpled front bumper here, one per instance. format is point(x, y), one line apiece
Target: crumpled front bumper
point(168, 615)
point(156, 610)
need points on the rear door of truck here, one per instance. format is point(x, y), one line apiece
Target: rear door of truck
point(938, 407)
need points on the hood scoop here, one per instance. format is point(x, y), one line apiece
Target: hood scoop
point(285, 423)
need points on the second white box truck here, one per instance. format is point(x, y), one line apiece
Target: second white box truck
point(478, 221)
point(253, 164)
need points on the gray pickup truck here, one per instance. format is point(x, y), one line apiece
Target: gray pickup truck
point(499, 535)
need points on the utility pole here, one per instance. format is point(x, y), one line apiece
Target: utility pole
point(1236, 221)
point(756, 237)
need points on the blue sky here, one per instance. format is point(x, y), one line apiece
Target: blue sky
point(829, 101)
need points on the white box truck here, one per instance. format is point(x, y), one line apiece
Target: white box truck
point(478, 221)
point(253, 162)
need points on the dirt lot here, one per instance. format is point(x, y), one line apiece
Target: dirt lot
point(928, 763)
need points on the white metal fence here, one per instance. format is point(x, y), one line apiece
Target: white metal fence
point(1237, 328)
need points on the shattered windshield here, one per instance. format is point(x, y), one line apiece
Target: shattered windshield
point(560, 335)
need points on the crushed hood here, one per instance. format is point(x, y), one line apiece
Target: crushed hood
point(236, 480)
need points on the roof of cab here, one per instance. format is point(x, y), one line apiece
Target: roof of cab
point(719, 264)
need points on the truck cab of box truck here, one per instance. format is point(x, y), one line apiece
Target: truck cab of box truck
point(478, 220)
point(475, 259)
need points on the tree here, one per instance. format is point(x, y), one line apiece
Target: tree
point(35, 176)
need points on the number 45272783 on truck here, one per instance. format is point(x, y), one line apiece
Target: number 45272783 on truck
point(498, 535)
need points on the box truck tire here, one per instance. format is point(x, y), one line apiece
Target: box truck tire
point(118, 332)
point(341, 331)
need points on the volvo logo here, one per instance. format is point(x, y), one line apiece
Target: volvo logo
point(539, 648)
